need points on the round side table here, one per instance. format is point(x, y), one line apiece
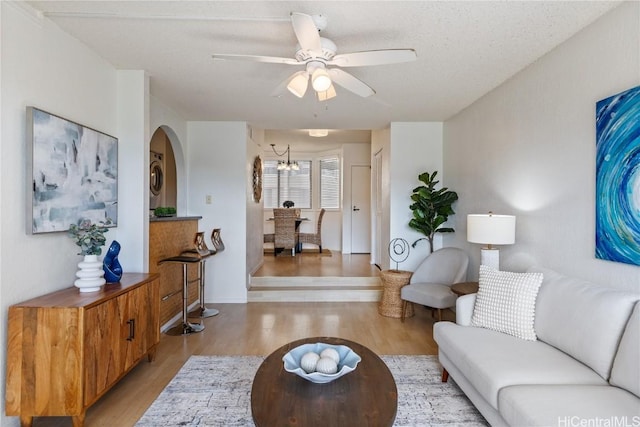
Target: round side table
point(464, 288)
point(390, 304)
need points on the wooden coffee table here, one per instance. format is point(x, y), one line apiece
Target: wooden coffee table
point(365, 397)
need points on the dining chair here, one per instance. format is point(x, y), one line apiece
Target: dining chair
point(285, 236)
point(430, 284)
point(314, 238)
point(269, 238)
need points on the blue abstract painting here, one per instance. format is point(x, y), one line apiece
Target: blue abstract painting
point(73, 171)
point(618, 177)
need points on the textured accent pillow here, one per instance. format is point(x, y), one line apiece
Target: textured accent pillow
point(506, 302)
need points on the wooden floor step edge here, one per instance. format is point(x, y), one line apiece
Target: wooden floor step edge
point(315, 281)
point(321, 295)
point(315, 288)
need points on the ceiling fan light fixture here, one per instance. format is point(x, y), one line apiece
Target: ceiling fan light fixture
point(320, 80)
point(318, 133)
point(317, 53)
point(298, 85)
point(327, 94)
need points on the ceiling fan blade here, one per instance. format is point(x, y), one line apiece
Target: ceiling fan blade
point(256, 58)
point(306, 32)
point(350, 82)
point(373, 57)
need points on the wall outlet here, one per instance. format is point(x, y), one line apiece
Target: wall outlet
point(208, 199)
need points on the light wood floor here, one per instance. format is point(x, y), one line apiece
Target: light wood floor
point(256, 329)
point(314, 264)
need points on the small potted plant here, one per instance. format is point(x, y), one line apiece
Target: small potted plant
point(164, 211)
point(90, 238)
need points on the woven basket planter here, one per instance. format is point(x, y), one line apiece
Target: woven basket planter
point(392, 282)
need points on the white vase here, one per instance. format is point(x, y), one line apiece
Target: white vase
point(90, 274)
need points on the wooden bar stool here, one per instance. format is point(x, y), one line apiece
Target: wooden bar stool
point(185, 328)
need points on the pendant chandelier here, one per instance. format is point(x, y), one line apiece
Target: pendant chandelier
point(288, 165)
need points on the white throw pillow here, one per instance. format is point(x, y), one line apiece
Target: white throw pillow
point(506, 302)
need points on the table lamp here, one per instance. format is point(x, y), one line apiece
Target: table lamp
point(491, 229)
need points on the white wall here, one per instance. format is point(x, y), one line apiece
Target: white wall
point(414, 148)
point(255, 217)
point(528, 148)
point(217, 164)
point(381, 143)
point(133, 173)
point(175, 127)
point(44, 67)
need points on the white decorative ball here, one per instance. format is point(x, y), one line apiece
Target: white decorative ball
point(331, 353)
point(308, 362)
point(326, 365)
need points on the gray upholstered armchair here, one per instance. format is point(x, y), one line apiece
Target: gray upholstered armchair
point(430, 284)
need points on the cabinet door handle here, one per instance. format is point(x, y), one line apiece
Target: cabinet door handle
point(132, 329)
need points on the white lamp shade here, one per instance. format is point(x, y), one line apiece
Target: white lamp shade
point(327, 94)
point(491, 229)
point(320, 80)
point(298, 84)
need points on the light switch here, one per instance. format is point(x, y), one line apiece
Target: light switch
point(208, 199)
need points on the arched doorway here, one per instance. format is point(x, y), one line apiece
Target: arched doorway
point(163, 187)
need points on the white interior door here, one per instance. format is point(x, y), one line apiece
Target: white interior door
point(377, 209)
point(360, 209)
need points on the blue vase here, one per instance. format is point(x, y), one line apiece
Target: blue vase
point(111, 265)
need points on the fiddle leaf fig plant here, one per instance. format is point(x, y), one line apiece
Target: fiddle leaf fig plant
point(431, 208)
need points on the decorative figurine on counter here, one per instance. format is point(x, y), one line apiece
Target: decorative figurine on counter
point(111, 265)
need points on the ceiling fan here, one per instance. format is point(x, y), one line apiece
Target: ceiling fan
point(322, 65)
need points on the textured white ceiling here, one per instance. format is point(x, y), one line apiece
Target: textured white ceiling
point(465, 49)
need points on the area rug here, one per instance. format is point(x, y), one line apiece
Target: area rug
point(216, 391)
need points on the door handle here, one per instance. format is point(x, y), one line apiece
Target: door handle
point(355, 209)
point(132, 329)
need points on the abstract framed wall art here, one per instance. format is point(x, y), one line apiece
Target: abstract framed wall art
point(72, 173)
point(618, 177)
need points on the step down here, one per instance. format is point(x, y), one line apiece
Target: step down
point(314, 289)
point(304, 281)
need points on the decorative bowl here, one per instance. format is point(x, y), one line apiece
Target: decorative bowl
point(348, 362)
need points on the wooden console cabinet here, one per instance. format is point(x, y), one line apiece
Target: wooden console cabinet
point(66, 349)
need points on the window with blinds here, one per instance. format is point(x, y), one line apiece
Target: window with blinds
point(281, 185)
point(330, 183)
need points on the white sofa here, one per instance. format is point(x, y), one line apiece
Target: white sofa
point(583, 369)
